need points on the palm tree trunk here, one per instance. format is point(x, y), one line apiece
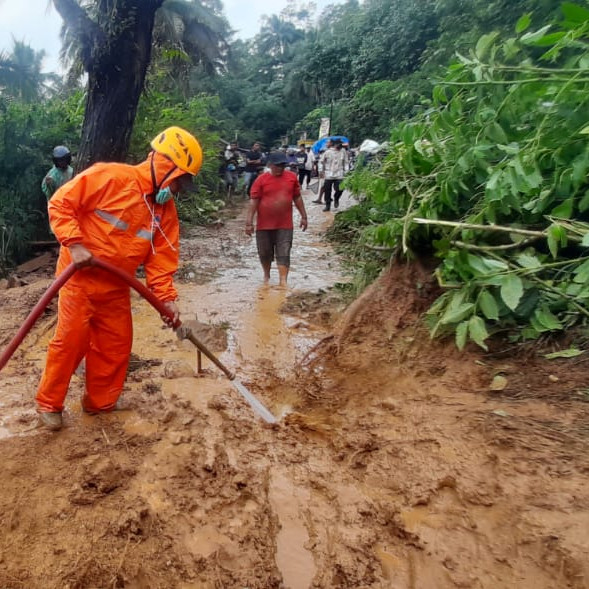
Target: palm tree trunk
point(116, 51)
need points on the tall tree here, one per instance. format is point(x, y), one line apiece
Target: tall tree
point(277, 37)
point(113, 40)
point(115, 51)
point(196, 30)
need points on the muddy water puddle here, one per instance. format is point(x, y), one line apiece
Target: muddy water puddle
point(258, 334)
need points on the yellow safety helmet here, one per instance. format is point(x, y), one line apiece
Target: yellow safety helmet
point(181, 147)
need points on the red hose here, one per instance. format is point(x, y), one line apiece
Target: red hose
point(59, 282)
point(139, 287)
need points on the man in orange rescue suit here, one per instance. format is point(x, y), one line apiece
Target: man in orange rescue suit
point(125, 215)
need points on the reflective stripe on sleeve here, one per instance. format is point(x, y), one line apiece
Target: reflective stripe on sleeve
point(144, 234)
point(114, 221)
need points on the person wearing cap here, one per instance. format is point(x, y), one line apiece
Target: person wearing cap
point(271, 201)
point(60, 173)
point(124, 215)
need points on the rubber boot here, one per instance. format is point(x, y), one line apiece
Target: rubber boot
point(120, 405)
point(51, 421)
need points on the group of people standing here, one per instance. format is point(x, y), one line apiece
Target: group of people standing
point(235, 160)
point(331, 165)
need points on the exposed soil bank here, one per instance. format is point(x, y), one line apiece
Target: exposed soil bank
point(394, 465)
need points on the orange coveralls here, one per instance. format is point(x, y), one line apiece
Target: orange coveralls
point(104, 208)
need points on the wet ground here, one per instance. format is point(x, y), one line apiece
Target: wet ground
point(393, 464)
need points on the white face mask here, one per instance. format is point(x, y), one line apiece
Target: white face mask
point(164, 195)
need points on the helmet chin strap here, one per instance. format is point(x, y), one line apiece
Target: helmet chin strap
point(154, 184)
point(155, 220)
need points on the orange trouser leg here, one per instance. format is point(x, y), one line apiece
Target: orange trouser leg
point(107, 359)
point(66, 349)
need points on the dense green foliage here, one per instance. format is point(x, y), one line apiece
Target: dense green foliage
point(28, 134)
point(493, 180)
point(367, 65)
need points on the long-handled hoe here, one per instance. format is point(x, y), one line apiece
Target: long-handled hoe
point(183, 331)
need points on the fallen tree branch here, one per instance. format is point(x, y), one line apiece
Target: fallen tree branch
point(476, 226)
point(508, 82)
point(497, 228)
point(379, 248)
point(494, 248)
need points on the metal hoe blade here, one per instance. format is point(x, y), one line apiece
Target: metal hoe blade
point(254, 403)
point(184, 332)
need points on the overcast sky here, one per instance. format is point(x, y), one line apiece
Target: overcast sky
point(37, 23)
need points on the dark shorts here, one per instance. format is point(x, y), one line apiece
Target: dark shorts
point(274, 243)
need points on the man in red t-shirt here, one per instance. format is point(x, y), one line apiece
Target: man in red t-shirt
point(271, 198)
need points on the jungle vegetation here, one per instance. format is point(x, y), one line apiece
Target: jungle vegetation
point(482, 104)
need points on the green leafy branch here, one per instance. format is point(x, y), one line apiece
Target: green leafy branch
point(493, 179)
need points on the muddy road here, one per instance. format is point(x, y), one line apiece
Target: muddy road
point(394, 465)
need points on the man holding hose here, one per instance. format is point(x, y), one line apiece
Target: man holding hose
point(125, 215)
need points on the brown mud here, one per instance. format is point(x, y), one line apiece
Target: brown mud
point(394, 464)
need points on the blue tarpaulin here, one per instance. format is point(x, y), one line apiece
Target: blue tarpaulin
point(319, 145)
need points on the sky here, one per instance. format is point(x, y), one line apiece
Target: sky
point(37, 23)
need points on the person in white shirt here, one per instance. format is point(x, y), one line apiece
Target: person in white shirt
point(335, 164)
point(232, 164)
point(308, 167)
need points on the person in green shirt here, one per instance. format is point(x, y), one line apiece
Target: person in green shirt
point(60, 173)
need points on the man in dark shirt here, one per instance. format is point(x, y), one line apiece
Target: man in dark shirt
point(302, 171)
point(254, 162)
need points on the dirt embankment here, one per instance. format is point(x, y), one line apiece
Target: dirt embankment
point(394, 465)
